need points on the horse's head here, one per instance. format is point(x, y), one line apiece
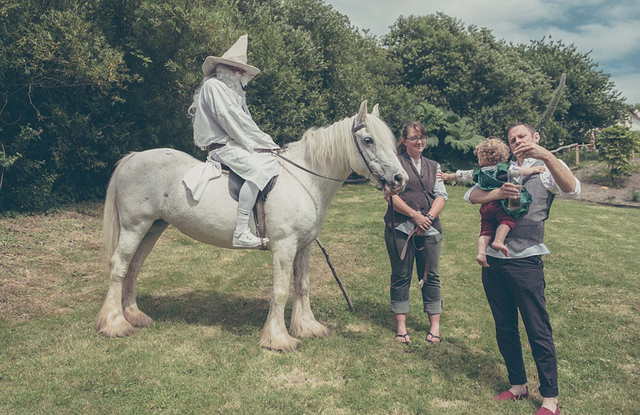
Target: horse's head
point(376, 151)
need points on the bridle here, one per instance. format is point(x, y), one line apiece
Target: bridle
point(354, 130)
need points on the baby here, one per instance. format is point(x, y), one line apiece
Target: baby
point(495, 217)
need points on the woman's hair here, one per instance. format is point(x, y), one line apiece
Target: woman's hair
point(494, 150)
point(416, 125)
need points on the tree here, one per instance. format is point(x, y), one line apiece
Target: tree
point(591, 98)
point(466, 70)
point(85, 82)
point(59, 84)
point(316, 68)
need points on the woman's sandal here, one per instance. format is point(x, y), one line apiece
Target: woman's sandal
point(433, 336)
point(404, 338)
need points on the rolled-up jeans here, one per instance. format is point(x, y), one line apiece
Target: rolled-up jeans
point(402, 271)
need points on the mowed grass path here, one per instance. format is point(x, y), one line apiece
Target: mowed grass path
point(201, 355)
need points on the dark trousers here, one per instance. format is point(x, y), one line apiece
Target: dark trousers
point(518, 284)
point(402, 271)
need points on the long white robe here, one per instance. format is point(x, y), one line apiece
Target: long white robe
point(222, 118)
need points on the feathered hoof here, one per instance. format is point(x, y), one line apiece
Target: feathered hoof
point(282, 342)
point(310, 329)
point(137, 318)
point(119, 327)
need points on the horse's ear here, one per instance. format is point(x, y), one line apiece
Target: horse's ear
point(376, 111)
point(362, 114)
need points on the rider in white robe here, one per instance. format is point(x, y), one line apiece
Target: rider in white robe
point(222, 124)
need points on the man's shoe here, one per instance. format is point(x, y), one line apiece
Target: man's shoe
point(246, 239)
point(509, 396)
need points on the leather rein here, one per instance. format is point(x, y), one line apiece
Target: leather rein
point(354, 130)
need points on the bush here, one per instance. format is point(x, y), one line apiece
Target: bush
point(450, 138)
point(616, 145)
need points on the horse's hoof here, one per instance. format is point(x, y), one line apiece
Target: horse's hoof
point(288, 344)
point(118, 328)
point(310, 329)
point(136, 317)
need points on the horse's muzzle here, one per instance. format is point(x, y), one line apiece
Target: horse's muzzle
point(395, 185)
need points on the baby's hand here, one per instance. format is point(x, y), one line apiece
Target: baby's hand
point(528, 171)
point(445, 176)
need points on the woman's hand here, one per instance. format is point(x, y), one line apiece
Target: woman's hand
point(422, 222)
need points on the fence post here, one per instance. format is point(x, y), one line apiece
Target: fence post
point(577, 155)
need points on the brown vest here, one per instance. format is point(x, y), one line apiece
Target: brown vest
point(419, 191)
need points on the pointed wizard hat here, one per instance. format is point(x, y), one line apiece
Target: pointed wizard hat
point(236, 56)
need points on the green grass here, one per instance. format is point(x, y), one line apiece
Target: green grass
point(202, 356)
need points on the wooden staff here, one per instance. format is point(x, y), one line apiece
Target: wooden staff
point(335, 275)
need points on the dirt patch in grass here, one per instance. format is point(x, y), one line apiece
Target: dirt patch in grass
point(46, 260)
point(596, 189)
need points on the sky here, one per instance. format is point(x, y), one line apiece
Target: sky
point(610, 29)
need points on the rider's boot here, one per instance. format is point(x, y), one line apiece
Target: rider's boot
point(242, 236)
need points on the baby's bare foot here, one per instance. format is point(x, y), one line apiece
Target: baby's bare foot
point(498, 246)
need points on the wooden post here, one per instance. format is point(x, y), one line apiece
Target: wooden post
point(577, 155)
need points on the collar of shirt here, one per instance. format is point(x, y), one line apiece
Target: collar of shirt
point(417, 164)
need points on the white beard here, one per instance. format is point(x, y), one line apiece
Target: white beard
point(232, 80)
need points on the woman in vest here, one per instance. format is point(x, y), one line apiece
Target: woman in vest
point(418, 230)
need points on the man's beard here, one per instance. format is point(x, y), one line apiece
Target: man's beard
point(232, 80)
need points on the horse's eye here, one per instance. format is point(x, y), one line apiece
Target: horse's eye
point(368, 140)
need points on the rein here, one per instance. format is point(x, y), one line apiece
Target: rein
point(318, 174)
point(403, 253)
point(354, 130)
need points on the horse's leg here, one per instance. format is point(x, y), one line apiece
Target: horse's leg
point(274, 335)
point(129, 306)
point(110, 320)
point(303, 323)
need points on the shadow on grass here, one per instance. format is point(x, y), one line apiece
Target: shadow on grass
point(232, 312)
point(455, 357)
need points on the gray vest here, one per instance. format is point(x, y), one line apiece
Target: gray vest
point(529, 229)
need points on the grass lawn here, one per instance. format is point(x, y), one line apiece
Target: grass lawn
point(202, 356)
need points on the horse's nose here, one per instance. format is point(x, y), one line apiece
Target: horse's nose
point(398, 178)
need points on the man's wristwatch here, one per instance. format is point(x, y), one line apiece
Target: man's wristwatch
point(430, 216)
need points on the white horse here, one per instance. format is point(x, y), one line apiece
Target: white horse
point(146, 194)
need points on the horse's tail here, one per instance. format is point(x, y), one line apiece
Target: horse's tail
point(111, 218)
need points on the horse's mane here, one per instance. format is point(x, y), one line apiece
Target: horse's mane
point(332, 145)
